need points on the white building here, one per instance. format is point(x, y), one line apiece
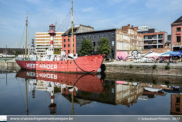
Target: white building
point(42, 42)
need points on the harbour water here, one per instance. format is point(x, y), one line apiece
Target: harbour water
point(45, 93)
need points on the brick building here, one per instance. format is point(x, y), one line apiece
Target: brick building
point(176, 28)
point(176, 104)
point(67, 40)
point(121, 41)
point(127, 40)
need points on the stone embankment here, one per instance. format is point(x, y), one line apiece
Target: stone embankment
point(159, 69)
point(9, 63)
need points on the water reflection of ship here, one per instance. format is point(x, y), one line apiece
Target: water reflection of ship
point(61, 82)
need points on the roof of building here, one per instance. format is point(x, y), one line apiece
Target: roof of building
point(97, 31)
point(178, 20)
point(75, 29)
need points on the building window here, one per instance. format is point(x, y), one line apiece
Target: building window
point(77, 44)
point(89, 36)
point(78, 37)
point(154, 36)
point(86, 37)
point(161, 36)
point(73, 45)
point(178, 30)
point(68, 40)
point(98, 35)
point(103, 35)
point(113, 34)
point(82, 37)
point(94, 44)
point(112, 43)
point(177, 109)
point(68, 45)
point(107, 35)
point(64, 40)
point(145, 37)
point(65, 51)
point(68, 51)
point(73, 51)
point(178, 40)
point(94, 36)
point(64, 45)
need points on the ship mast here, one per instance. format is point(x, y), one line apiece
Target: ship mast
point(26, 95)
point(26, 36)
point(72, 30)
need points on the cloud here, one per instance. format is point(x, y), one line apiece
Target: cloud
point(87, 9)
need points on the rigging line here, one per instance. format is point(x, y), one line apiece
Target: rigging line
point(87, 109)
point(46, 10)
point(64, 105)
point(60, 107)
point(37, 100)
point(31, 30)
point(77, 18)
point(67, 25)
point(64, 20)
point(22, 36)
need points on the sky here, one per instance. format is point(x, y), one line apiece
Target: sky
point(100, 14)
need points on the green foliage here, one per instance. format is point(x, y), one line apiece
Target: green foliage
point(131, 66)
point(124, 66)
point(167, 67)
point(86, 47)
point(137, 66)
point(154, 66)
point(105, 96)
point(131, 80)
point(103, 47)
point(167, 83)
point(154, 82)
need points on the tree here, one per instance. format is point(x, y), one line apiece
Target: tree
point(86, 47)
point(103, 47)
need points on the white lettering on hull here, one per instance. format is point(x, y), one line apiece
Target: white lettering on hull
point(51, 76)
point(30, 65)
point(42, 75)
point(48, 66)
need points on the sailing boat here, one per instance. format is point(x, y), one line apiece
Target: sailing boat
point(60, 63)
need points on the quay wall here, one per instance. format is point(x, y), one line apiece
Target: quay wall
point(144, 78)
point(9, 64)
point(143, 69)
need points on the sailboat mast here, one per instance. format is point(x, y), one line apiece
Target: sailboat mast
point(72, 30)
point(26, 36)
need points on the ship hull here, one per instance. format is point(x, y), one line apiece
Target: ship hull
point(83, 64)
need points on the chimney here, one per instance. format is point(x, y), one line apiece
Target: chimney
point(128, 26)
